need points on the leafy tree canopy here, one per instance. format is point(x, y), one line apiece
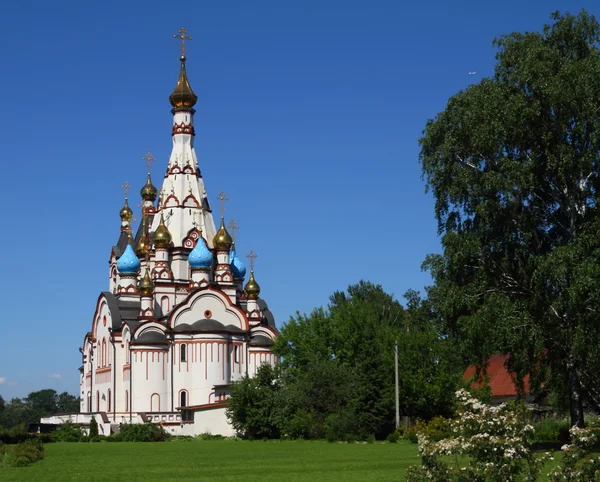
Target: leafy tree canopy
point(513, 165)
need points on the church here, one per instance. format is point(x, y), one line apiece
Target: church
point(179, 321)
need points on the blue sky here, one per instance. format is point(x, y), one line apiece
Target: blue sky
point(308, 117)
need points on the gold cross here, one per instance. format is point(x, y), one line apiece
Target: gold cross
point(252, 255)
point(183, 37)
point(222, 197)
point(149, 158)
point(233, 226)
point(126, 187)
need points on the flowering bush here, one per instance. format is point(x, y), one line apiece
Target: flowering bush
point(492, 443)
point(577, 462)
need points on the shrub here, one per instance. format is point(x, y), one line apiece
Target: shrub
point(210, 436)
point(577, 464)
point(552, 430)
point(23, 454)
point(493, 442)
point(147, 432)
point(393, 437)
point(67, 432)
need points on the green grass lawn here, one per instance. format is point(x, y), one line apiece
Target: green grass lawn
point(219, 460)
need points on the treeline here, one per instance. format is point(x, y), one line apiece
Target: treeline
point(336, 376)
point(20, 412)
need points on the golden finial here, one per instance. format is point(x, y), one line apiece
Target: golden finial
point(252, 255)
point(183, 37)
point(149, 158)
point(222, 197)
point(233, 226)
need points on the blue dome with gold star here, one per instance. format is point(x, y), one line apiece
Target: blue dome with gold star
point(128, 263)
point(237, 267)
point(200, 257)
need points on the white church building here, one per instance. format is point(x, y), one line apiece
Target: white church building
point(178, 322)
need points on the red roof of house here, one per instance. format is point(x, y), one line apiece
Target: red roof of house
point(501, 381)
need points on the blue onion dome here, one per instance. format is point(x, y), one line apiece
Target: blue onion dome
point(128, 263)
point(201, 256)
point(237, 267)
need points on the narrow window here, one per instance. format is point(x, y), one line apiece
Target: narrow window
point(127, 400)
point(183, 353)
point(236, 353)
point(183, 399)
point(109, 401)
point(97, 401)
point(155, 402)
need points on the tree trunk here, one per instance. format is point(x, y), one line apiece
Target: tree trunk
point(575, 398)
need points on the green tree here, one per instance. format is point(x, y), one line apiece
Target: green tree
point(253, 407)
point(1, 404)
point(513, 165)
point(358, 330)
point(93, 428)
point(67, 403)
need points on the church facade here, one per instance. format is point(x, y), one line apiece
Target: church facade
point(178, 322)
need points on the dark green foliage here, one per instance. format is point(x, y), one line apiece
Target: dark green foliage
point(93, 428)
point(147, 432)
point(552, 430)
point(67, 432)
point(21, 455)
point(514, 165)
point(336, 378)
point(35, 406)
point(253, 405)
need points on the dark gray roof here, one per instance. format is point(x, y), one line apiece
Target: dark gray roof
point(122, 311)
point(150, 338)
point(207, 325)
point(260, 340)
point(268, 316)
point(119, 248)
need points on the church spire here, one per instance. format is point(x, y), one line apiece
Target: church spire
point(183, 200)
point(183, 97)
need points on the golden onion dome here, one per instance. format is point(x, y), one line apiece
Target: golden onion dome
point(222, 240)
point(149, 192)
point(183, 95)
point(162, 236)
point(126, 212)
point(252, 289)
point(143, 244)
point(146, 286)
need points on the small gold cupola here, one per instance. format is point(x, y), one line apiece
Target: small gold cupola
point(149, 191)
point(162, 236)
point(146, 287)
point(222, 240)
point(252, 289)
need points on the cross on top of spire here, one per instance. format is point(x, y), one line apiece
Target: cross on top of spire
point(233, 226)
point(126, 187)
point(183, 37)
point(252, 255)
point(222, 197)
point(149, 158)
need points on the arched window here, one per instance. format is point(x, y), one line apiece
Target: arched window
point(127, 352)
point(109, 401)
point(127, 400)
point(183, 352)
point(164, 304)
point(89, 402)
point(183, 398)
point(155, 402)
point(103, 353)
point(97, 400)
point(236, 353)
